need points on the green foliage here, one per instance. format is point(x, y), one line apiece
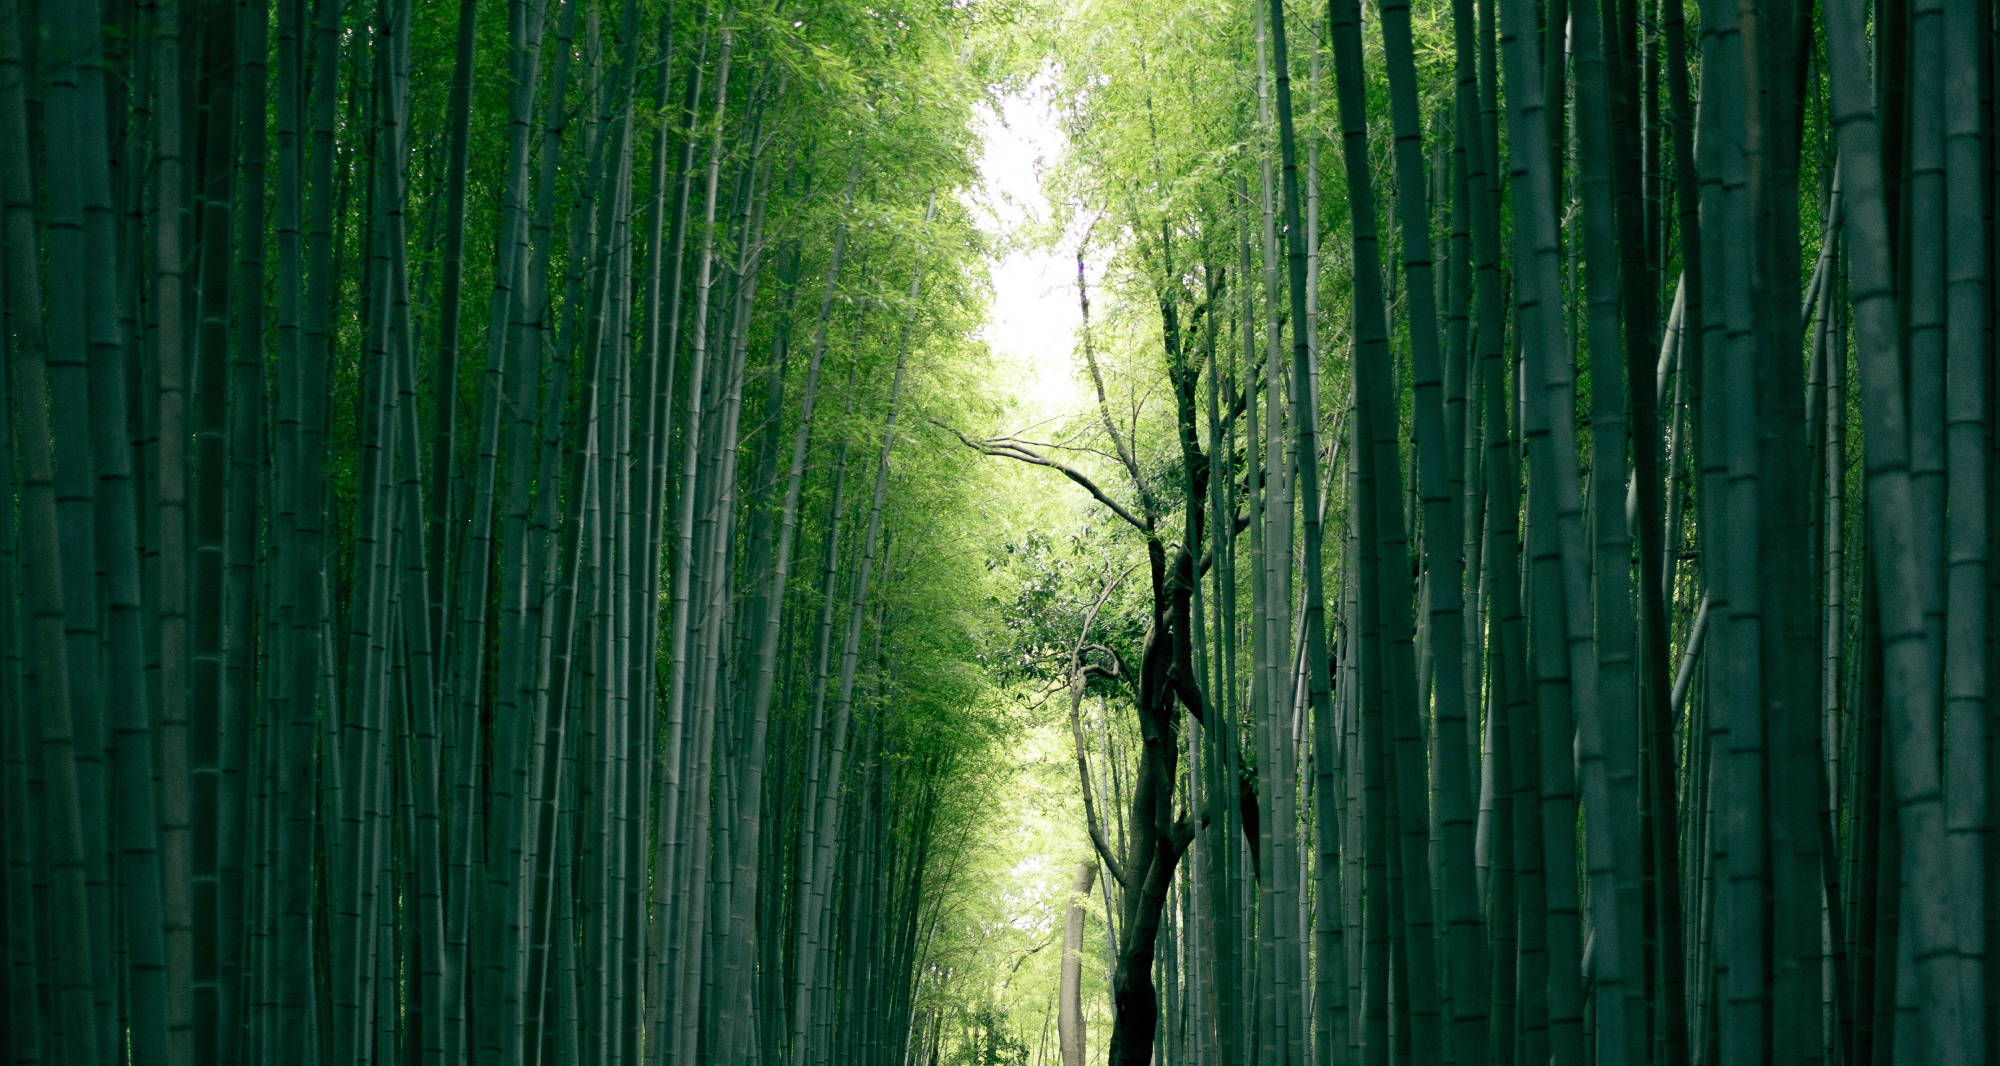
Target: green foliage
point(1057, 581)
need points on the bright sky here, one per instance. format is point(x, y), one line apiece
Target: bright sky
point(1031, 328)
point(1032, 322)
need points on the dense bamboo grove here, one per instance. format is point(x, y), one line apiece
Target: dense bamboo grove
point(460, 511)
point(1556, 446)
point(507, 553)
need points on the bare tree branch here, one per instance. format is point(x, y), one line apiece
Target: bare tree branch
point(1097, 376)
point(1076, 686)
point(1009, 449)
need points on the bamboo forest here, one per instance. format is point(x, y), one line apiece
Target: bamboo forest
point(999, 532)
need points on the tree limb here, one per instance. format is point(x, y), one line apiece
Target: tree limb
point(1076, 684)
point(1007, 449)
point(1118, 442)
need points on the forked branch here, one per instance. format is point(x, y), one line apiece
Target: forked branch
point(1010, 448)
